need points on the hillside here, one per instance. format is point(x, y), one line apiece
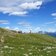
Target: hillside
point(14, 44)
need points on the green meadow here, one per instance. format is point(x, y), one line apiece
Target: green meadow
point(15, 44)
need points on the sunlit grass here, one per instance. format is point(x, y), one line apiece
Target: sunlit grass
point(27, 44)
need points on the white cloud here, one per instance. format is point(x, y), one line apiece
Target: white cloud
point(19, 7)
point(32, 5)
point(37, 29)
point(4, 22)
point(19, 13)
point(12, 11)
point(51, 30)
point(11, 28)
point(16, 28)
point(50, 22)
point(7, 27)
point(53, 14)
point(23, 23)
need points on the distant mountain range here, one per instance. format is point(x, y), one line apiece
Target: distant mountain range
point(49, 33)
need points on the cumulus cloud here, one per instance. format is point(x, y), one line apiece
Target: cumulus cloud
point(32, 5)
point(53, 14)
point(4, 22)
point(19, 7)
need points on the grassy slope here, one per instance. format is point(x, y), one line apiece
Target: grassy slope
point(26, 44)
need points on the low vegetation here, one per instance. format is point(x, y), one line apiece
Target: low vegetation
point(15, 44)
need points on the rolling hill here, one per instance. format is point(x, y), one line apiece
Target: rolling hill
point(15, 44)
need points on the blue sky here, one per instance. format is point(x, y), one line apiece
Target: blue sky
point(35, 15)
